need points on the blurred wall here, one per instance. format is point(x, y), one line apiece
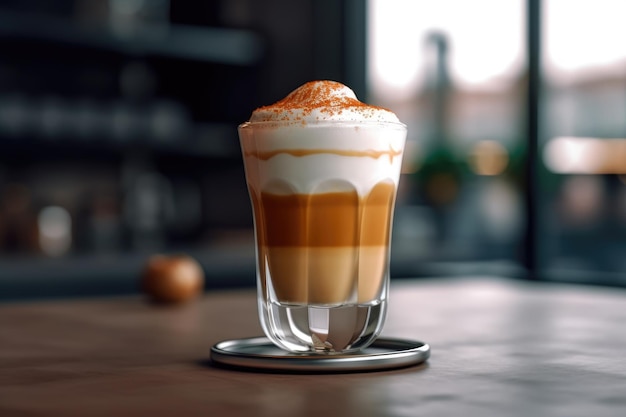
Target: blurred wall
point(118, 130)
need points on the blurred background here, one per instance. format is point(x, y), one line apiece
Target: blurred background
point(118, 132)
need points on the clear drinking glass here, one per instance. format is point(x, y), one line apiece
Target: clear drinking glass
point(323, 196)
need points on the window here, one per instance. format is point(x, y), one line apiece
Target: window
point(460, 75)
point(583, 141)
point(454, 72)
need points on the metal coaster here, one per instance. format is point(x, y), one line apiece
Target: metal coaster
point(261, 354)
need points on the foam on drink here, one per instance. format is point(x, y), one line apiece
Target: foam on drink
point(322, 101)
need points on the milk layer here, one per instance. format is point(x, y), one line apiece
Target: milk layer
point(322, 157)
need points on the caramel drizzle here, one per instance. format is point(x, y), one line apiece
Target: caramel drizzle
point(370, 153)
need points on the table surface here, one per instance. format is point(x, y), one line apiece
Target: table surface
point(499, 347)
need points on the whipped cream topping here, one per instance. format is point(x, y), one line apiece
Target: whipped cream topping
point(318, 101)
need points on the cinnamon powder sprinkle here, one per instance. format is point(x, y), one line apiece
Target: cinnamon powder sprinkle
point(321, 96)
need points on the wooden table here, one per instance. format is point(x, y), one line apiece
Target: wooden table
point(499, 347)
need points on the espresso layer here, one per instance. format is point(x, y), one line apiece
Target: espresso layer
point(324, 248)
point(325, 219)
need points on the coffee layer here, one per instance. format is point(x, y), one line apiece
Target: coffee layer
point(325, 219)
point(325, 248)
point(324, 276)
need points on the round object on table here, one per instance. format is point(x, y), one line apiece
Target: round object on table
point(172, 278)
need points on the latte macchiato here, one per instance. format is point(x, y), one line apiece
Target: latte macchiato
point(322, 170)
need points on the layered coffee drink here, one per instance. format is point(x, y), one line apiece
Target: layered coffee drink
point(322, 170)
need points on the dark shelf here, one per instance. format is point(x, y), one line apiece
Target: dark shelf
point(210, 140)
point(216, 45)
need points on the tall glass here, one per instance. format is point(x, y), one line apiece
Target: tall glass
point(323, 196)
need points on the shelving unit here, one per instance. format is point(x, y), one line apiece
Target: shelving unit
point(212, 45)
point(91, 109)
point(50, 46)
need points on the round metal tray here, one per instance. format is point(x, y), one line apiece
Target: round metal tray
point(261, 354)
